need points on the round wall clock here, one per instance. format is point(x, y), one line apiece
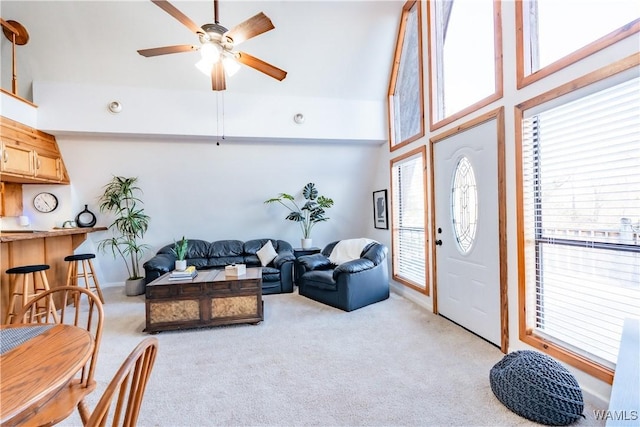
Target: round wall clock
point(45, 202)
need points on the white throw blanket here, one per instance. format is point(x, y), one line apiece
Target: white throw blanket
point(347, 250)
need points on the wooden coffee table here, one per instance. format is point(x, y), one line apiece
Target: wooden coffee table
point(210, 299)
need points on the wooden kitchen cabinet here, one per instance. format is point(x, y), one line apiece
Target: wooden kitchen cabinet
point(17, 159)
point(29, 156)
point(10, 199)
point(47, 166)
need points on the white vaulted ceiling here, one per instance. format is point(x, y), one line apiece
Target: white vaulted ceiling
point(332, 49)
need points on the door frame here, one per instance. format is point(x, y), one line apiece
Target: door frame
point(498, 115)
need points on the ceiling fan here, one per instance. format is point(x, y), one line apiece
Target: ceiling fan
point(217, 45)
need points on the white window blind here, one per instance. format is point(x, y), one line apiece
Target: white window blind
point(581, 169)
point(408, 220)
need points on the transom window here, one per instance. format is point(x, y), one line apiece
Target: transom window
point(553, 34)
point(465, 57)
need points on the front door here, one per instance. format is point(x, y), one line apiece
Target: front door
point(467, 231)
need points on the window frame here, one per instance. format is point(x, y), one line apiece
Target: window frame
point(526, 333)
point(434, 96)
point(406, 9)
point(421, 151)
point(524, 79)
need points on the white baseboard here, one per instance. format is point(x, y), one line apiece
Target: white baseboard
point(412, 296)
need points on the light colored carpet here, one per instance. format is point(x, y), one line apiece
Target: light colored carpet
point(307, 364)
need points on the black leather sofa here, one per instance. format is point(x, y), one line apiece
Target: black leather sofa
point(277, 276)
point(350, 285)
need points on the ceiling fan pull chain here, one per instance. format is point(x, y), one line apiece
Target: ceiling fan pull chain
point(217, 118)
point(223, 116)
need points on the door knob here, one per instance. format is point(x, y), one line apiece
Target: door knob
point(438, 242)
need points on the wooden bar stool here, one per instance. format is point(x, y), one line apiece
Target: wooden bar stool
point(23, 289)
point(74, 273)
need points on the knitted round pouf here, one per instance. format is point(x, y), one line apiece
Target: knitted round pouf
point(537, 387)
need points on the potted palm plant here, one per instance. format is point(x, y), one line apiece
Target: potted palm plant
point(121, 198)
point(180, 251)
point(311, 213)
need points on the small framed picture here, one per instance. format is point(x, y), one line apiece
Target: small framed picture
point(380, 214)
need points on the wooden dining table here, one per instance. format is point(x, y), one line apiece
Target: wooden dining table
point(36, 361)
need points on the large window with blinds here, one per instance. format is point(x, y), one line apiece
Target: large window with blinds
point(408, 186)
point(581, 216)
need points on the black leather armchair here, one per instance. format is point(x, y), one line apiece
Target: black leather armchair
point(350, 285)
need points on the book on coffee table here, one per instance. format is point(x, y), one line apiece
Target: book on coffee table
point(172, 278)
point(188, 273)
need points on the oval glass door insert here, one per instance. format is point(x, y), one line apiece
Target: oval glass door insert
point(464, 205)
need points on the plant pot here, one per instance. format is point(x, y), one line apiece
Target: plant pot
point(134, 287)
point(181, 264)
point(306, 243)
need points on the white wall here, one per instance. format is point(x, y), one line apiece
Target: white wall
point(72, 107)
point(210, 192)
point(18, 110)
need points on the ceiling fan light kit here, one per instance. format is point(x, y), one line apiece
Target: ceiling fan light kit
point(210, 52)
point(231, 64)
point(217, 45)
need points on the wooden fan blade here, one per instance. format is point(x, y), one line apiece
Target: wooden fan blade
point(217, 77)
point(252, 27)
point(167, 49)
point(184, 19)
point(261, 66)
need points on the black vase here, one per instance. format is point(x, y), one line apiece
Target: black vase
point(86, 218)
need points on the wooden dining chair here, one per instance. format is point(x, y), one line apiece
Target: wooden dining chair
point(128, 384)
point(72, 310)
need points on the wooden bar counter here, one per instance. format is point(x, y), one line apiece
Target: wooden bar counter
point(40, 247)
